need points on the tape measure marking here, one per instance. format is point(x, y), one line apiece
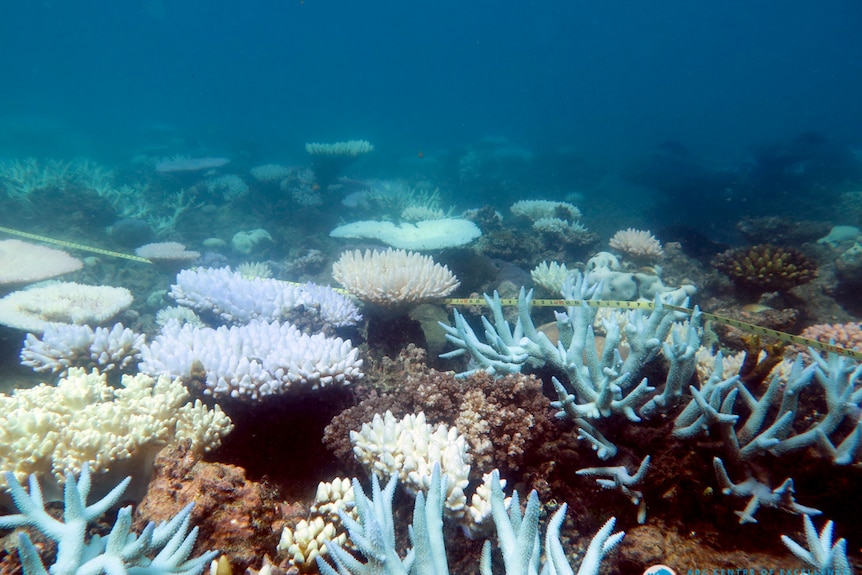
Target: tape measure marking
point(74, 246)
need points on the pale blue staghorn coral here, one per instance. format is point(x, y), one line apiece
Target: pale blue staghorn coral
point(159, 550)
point(760, 494)
point(713, 406)
point(821, 553)
point(620, 479)
point(599, 385)
point(373, 535)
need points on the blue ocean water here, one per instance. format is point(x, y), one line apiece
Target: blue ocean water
point(605, 80)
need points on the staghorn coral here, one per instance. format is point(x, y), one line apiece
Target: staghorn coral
point(169, 543)
point(764, 267)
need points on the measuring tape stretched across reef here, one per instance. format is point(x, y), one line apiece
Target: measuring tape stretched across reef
point(747, 327)
point(744, 326)
point(73, 245)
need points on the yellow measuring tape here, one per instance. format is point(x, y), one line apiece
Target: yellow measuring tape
point(744, 326)
point(74, 246)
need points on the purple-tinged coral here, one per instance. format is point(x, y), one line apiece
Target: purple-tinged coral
point(238, 300)
point(251, 361)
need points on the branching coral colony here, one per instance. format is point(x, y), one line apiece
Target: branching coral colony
point(599, 383)
point(159, 550)
point(373, 534)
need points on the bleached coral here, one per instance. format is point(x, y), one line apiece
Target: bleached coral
point(393, 277)
point(63, 346)
point(179, 313)
point(23, 262)
point(237, 300)
point(230, 186)
point(638, 244)
point(254, 270)
point(251, 361)
point(567, 231)
point(373, 534)
point(550, 276)
point(822, 554)
point(50, 430)
point(423, 235)
point(37, 308)
point(270, 172)
point(305, 542)
point(170, 543)
point(409, 448)
point(539, 209)
point(421, 213)
point(348, 148)
point(167, 252)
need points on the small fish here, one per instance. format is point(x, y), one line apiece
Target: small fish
point(756, 308)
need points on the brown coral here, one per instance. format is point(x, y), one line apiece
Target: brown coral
point(504, 420)
point(764, 268)
point(240, 517)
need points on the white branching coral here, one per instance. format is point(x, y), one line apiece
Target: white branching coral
point(393, 277)
point(63, 346)
point(252, 361)
point(550, 276)
point(639, 244)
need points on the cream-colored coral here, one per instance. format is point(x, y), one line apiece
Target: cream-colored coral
point(550, 276)
point(253, 270)
point(181, 314)
point(393, 277)
point(409, 448)
point(50, 429)
point(23, 262)
point(637, 243)
point(303, 543)
point(167, 252)
point(62, 302)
